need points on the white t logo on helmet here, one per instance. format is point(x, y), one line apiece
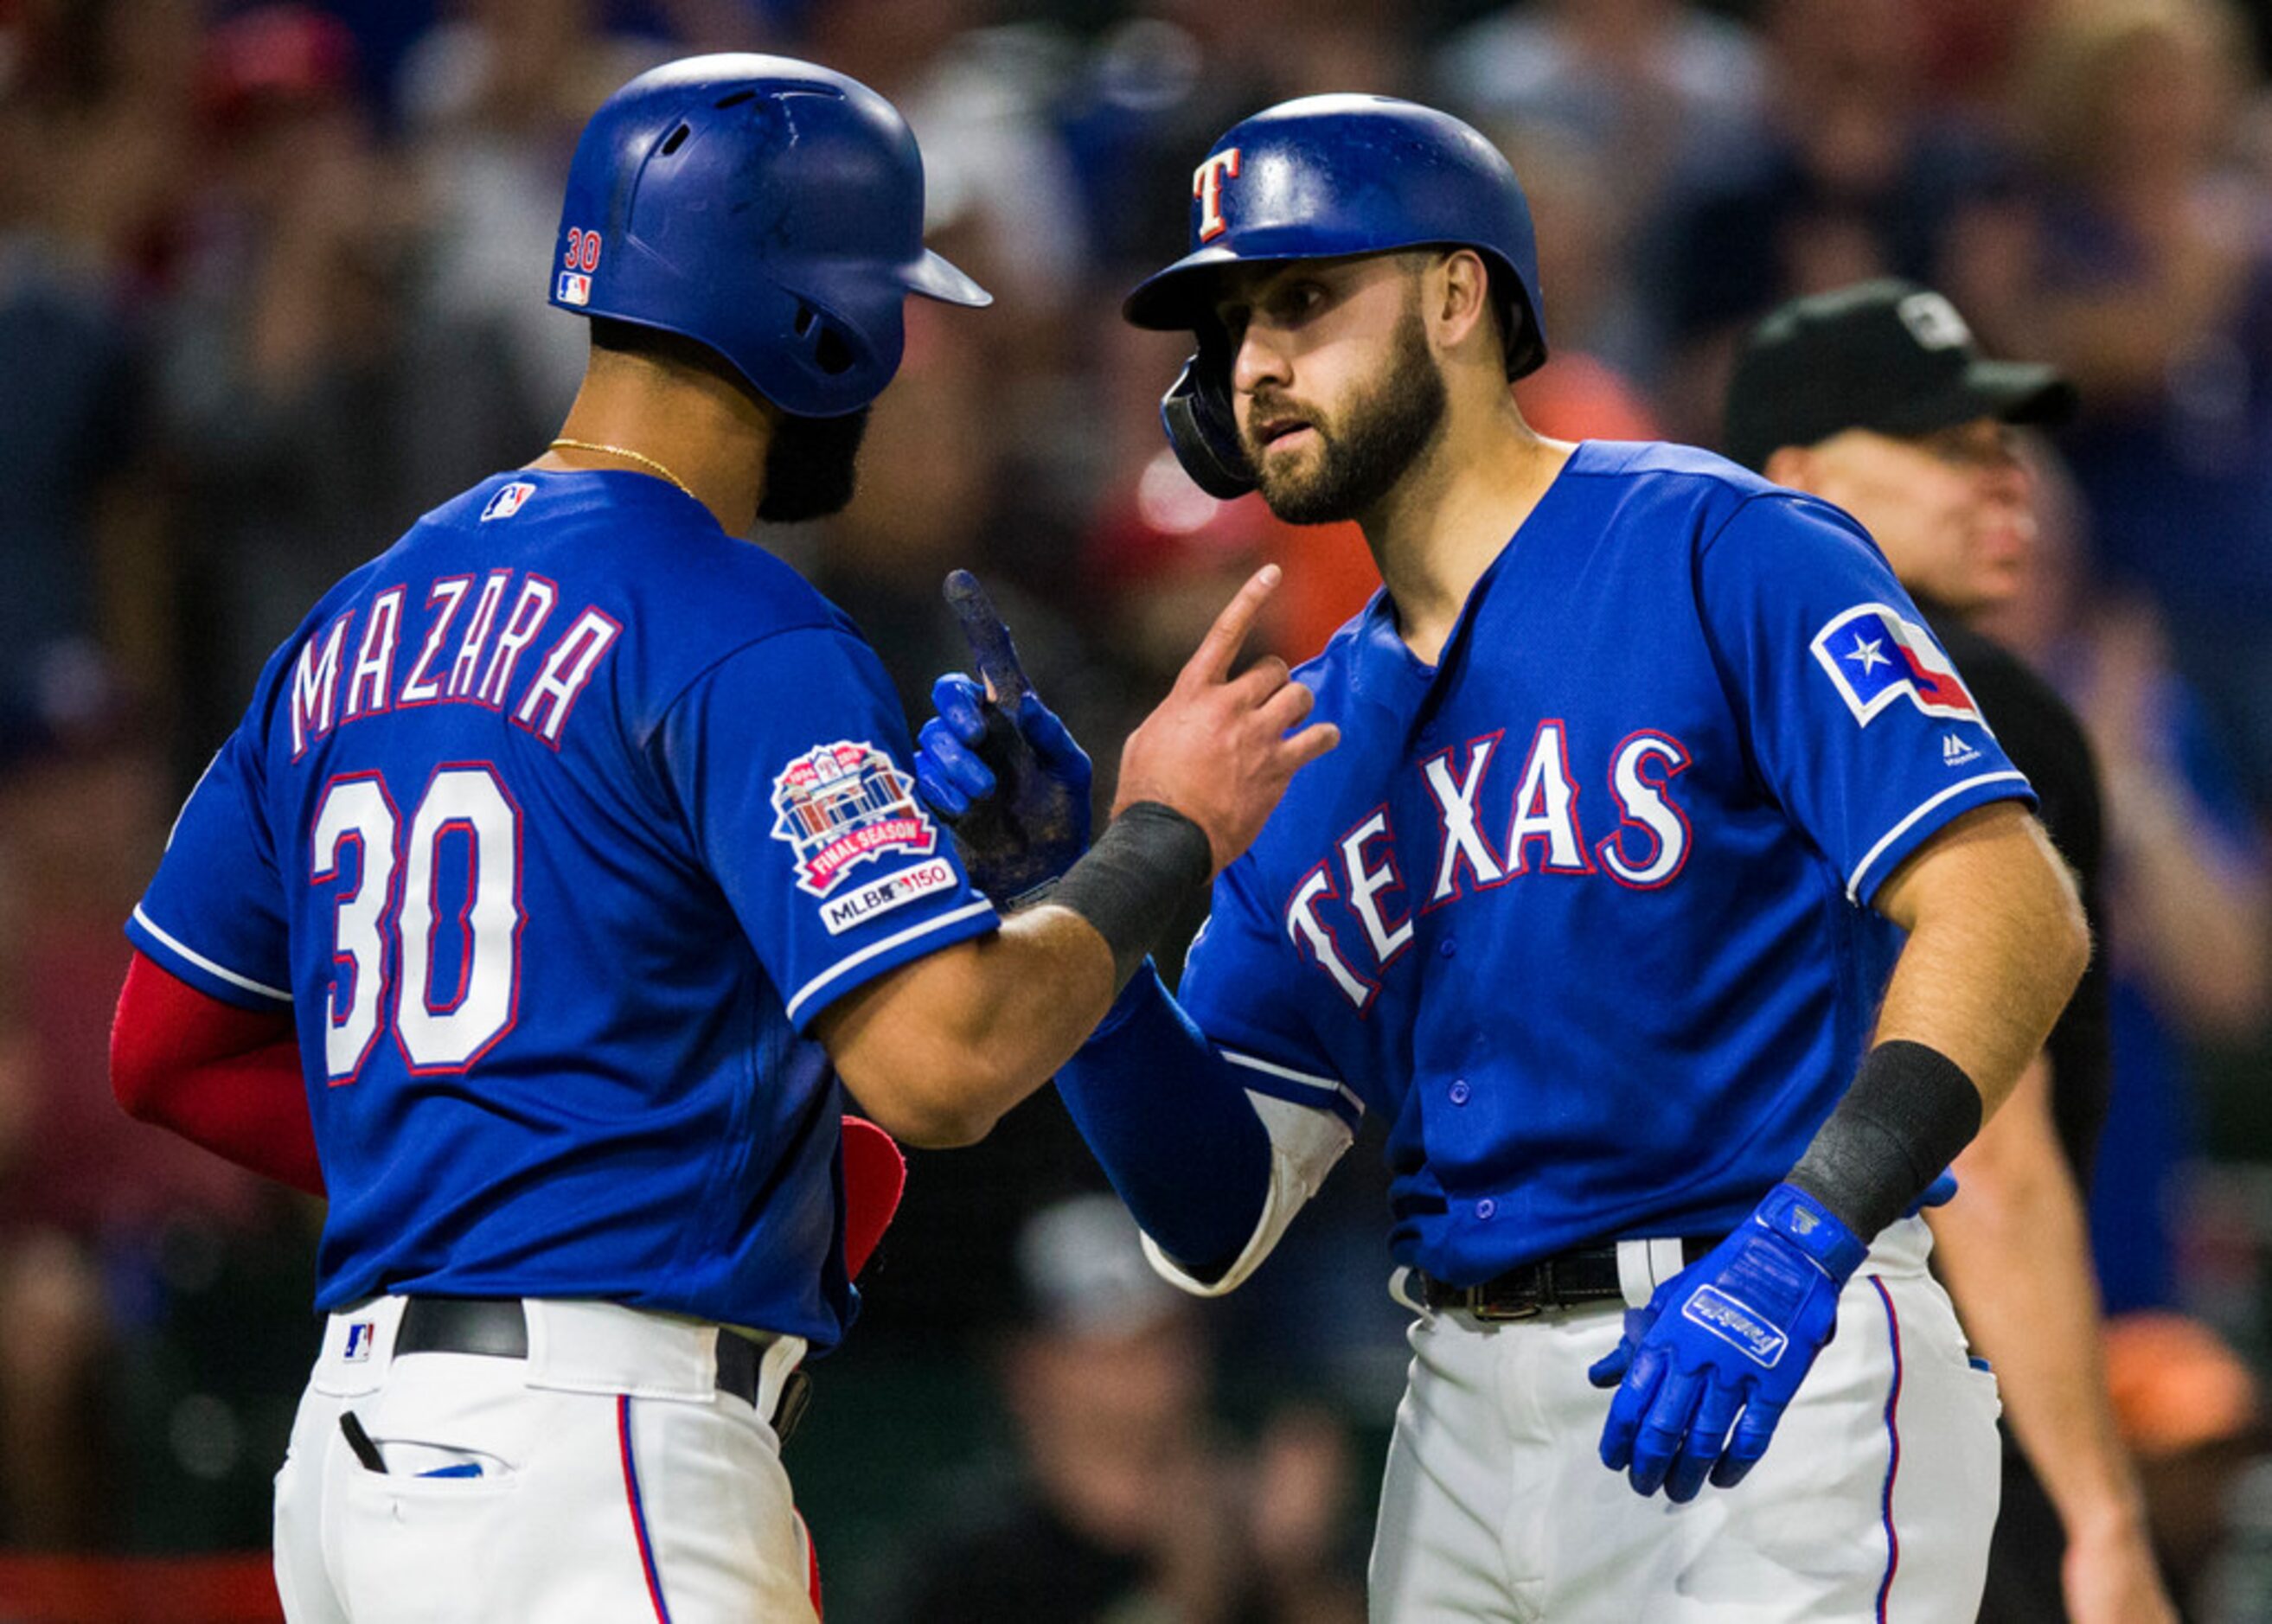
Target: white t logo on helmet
point(1206, 186)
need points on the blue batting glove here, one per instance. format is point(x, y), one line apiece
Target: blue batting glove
point(948, 770)
point(1704, 1372)
point(1004, 773)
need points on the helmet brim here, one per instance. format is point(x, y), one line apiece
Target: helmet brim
point(1178, 299)
point(934, 277)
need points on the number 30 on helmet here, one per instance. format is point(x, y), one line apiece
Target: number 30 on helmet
point(767, 208)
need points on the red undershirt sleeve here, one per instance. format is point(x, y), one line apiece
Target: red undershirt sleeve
point(223, 1077)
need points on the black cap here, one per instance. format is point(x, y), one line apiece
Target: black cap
point(1889, 355)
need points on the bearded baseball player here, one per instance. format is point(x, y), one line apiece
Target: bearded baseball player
point(1641, 900)
point(566, 860)
point(1876, 398)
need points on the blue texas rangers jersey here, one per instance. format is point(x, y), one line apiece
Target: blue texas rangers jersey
point(1581, 911)
point(556, 826)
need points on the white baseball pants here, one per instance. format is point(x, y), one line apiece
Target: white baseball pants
point(602, 1478)
point(1874, 1502)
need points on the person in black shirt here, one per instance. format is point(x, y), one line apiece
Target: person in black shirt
point(1876, 398)
point(1125, 1501)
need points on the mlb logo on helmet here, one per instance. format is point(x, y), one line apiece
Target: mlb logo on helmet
point(1875, 657)
point(508, 500)
point(844, 804)
point(575, 287)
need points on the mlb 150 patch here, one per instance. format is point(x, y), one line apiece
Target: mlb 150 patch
point(844, 804)
point(866, 901)
point(1875, 656)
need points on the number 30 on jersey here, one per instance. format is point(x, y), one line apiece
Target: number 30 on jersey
point(382, 922)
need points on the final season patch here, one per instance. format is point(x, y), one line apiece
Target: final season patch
point(844, 804)
point(1875, 657)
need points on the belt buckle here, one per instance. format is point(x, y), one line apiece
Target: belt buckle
point(1513, 1314)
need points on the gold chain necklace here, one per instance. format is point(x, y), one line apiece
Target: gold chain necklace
point(625, 452)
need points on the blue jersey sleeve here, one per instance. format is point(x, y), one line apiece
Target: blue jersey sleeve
point(1244, 989)
point(214, 914)
point(1855, 717)
point(788, 760)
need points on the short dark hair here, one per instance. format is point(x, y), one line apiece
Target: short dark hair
point(654, 344)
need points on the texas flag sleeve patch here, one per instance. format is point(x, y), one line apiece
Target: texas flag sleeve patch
point(1874, 657)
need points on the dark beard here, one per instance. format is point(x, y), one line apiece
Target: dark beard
point(811, 466)
point(1361, 458)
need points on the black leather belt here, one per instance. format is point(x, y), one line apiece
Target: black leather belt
point(1585, 1274)
point(496, 1328)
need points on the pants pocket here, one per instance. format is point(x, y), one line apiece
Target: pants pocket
point(421, 1550)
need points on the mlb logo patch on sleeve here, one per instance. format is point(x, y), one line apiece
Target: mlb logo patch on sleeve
point(844, 804)
point(1874, 657)
point(507, 502)
point(864, 902)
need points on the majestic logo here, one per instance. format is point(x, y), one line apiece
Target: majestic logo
point(360, 1336)
point(575, 288)
point(844, 804)
point(507, 502)
point(1206, 187)
point(1954, 752)
point(1736, 1322)
point(858, 907)
point(1875, 657)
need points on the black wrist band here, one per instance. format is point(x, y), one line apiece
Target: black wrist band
point(1910, 1111)
point(1135, 880)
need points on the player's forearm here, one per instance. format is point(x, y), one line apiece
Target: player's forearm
point(1997, 943)
point(1171, 1128)
point(2014, 1252)
point(224, 1079)
point(938, 1050)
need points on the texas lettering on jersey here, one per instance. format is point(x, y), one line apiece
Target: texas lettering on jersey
point(468, 648)
point(1489, 823)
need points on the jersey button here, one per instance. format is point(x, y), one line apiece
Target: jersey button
point(1460, 1091)
point(1486, 1207)
point(1447, 947)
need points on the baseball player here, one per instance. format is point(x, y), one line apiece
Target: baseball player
point(1641, 900)
point(1876, 398)
point(566, 861)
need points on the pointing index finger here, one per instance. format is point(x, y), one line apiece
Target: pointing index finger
point(1211, 662)
point(996, 657)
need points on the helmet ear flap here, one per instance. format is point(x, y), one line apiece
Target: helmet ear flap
point(1202, 427)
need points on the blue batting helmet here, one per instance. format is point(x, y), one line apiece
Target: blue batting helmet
point(1324, 177)
point(767, 208)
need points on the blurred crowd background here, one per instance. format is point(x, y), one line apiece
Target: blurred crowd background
point(272, 283)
